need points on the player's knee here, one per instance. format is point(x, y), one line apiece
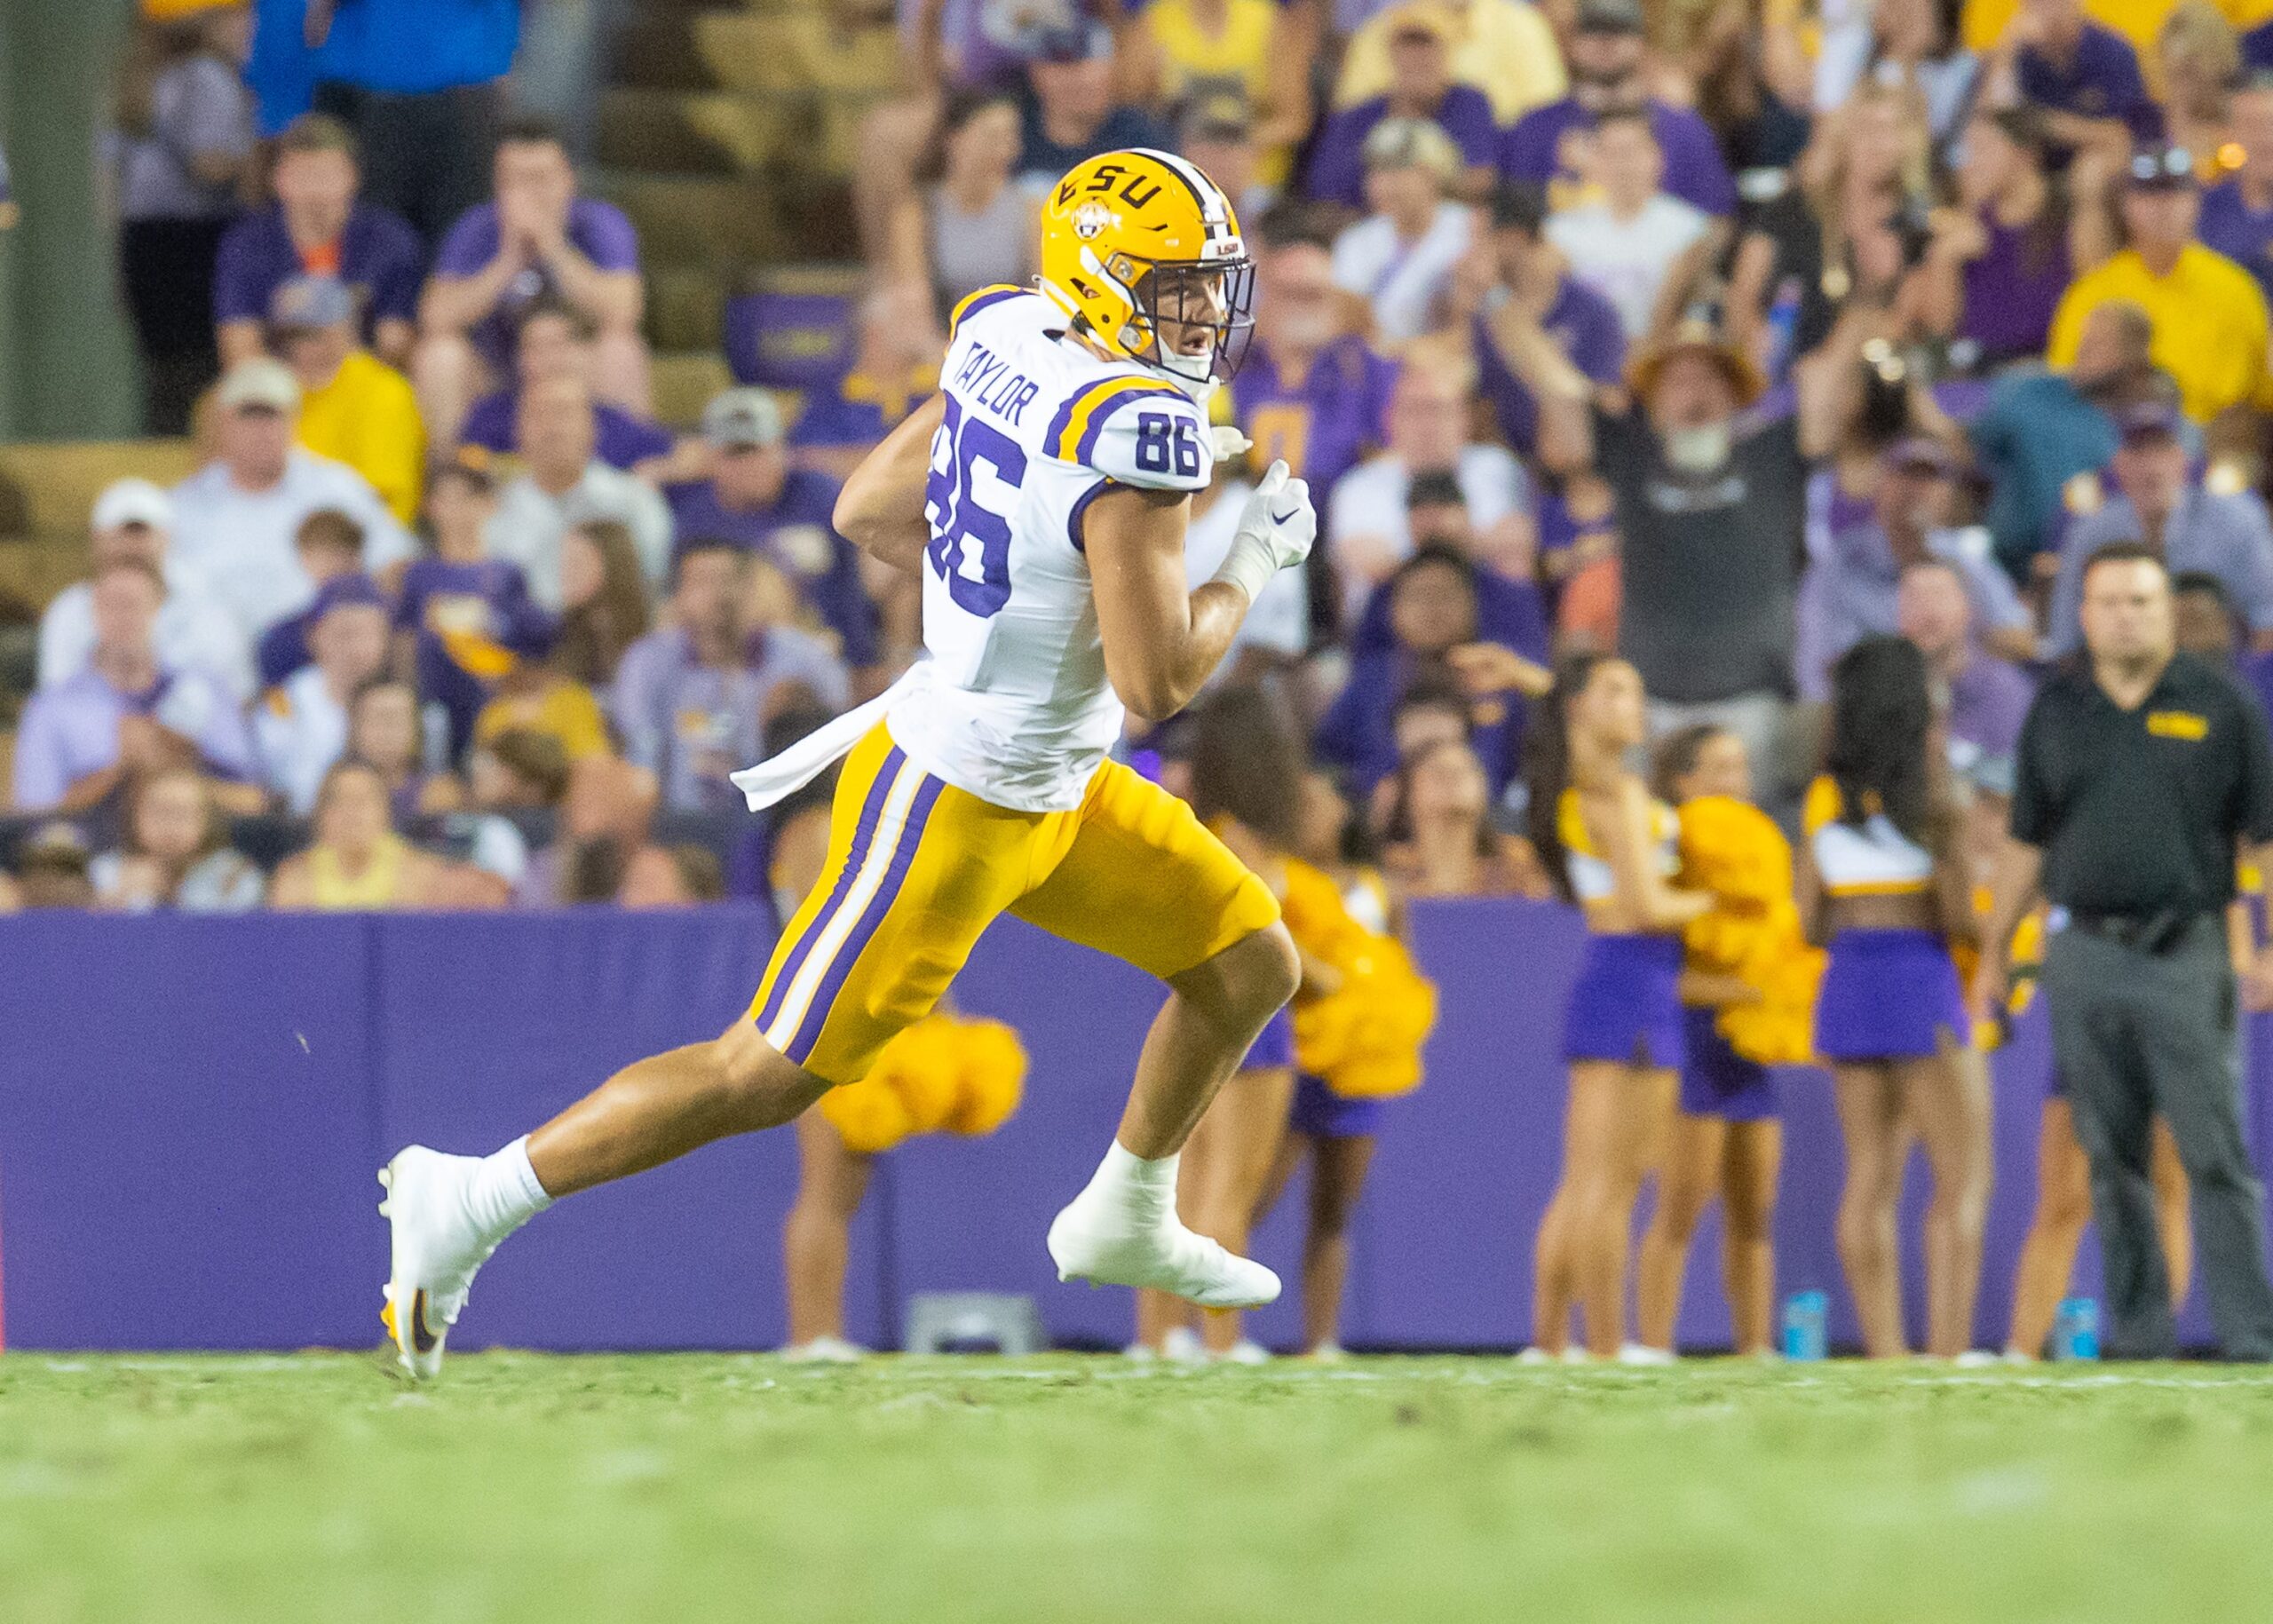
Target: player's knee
point(1276, 969)
point(756, 1085)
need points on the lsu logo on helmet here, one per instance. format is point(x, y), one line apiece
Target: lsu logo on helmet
point(1132, 239)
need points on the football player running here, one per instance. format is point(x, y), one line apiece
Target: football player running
point(1042, 493)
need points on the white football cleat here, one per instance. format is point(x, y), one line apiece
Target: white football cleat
point(1245, 1352)
point(1167, 1257)
point(436, 1252)
point(1642, 1353)
point(1535, 1355)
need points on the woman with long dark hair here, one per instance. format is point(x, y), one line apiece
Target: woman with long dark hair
point(1608, 847)
point(1247, 769)
point(1882, 883)
point(2000, 258)
point(967, 224)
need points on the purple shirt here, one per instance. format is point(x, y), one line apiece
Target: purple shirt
point(596, 230)
point(1534, 149)
point(1323, 425)
point(70, 730)
point(794, 531)
point(482, 616)
point(1989, 700)
point(380, 258)
point(2013, 289)
point(2241, 233)
point(691, 724)
point(1585, 326)
point(2101, 81)
point(1337, 172)
point(625, 441)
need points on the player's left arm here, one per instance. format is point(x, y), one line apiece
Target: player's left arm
point(880, 511)
point(1161, 637)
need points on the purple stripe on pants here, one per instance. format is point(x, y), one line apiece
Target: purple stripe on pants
point(871, 809)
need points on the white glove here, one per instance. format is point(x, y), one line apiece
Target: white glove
point(1276, 529)
point(1228, 442)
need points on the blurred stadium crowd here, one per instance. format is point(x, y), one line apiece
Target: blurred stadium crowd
point(1720, 332)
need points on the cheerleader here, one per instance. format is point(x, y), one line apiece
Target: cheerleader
point(1608, 846)
point(1881, 880)
point(1726, 1140)
point(1334, 1133)
point(1246, 772)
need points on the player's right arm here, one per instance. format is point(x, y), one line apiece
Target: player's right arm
point(880, 511)
point(1161, 637)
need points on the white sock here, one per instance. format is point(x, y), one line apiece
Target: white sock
point(1140, 1193)
point(504, 1193)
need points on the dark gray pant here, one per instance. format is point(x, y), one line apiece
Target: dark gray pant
point(2135, 1034)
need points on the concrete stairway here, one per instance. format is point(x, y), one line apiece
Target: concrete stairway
point(727, 133)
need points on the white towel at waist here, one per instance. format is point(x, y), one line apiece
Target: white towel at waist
point(783, 775)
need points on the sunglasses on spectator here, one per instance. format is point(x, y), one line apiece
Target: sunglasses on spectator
point(2164, 167)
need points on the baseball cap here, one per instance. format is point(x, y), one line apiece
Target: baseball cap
point(2159, 164)
point(348, 591)
point(1921, 454)
point(1610, 16)
point(311, 301)
point(260, 383)
point(132, 502)
point(744, 417)
point(476, 464)
point(2149, 420)
point(1411, 143)
point(1084, 40)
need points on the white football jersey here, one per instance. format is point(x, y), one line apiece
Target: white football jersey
point(1014, 705)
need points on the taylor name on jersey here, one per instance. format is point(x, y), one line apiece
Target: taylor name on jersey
point(1017, 707)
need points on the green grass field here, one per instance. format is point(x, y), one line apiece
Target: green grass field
point(694, 1488)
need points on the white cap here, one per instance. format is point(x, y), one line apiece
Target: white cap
point(132, 502)
point(259, 380)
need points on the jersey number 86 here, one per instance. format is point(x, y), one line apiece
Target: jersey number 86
point(976, 472)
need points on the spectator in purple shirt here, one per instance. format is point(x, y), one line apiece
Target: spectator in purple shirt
point(1535, 295)
point(755, 501)
point(1310, 391)
point(555, 340)
point(692, 697)
point(1421, 86)
point(895, 368)
point(464, 617)
point(2083, 77)
point(2211, 625)
point(2238, 212)
point(1431, 609)
point(536, 239)
point(1999, 261)
point(1547, 145)
point(318, 226)
point(124, 714)
point(1986, 698)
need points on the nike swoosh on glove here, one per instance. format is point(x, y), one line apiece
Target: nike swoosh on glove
point(1279, 515)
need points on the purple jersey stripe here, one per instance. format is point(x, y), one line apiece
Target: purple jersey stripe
point(871, 809)
point(911, 838)
point(979, 301)
point(1054, 438)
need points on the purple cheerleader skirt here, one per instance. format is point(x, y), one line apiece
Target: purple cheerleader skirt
point(1273, 1047)
point(1889, 996)
point(1626, 1005)
point(1323, 1115)
point(1716, 1080)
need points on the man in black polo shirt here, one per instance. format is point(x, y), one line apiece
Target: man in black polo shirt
point(2139, 774)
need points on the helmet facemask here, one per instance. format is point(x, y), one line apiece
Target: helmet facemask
point(1178, 304)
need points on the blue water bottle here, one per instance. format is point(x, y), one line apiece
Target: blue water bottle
point(1806, 1316)
point(2075, 1332)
